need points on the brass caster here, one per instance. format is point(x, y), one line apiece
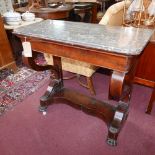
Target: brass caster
point(113, 129)
point(42, 108)
point(111, 142)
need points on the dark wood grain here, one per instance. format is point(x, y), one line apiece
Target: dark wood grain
point(145, 73)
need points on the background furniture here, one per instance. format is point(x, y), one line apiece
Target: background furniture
point(6, 55)
point(94, 8)
point(49, 13)
point(77, 67)
point(147, 64)
point(145, 73)
point(152, 100)
point(85, 12)
point(141, 13)
point(114, 14)
point(63, 12)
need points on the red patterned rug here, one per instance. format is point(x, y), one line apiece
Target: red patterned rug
point(15, 87)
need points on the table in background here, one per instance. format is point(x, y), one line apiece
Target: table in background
point(89, 11)
point(61, 12)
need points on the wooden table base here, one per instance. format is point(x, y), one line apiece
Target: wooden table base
point(113, 116)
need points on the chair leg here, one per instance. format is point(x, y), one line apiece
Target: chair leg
point(150, 105)
point(89, 84)
point(69, 77)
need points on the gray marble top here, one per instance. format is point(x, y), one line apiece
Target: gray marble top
point(122, 40)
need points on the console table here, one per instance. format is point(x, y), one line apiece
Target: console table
point(115, 48)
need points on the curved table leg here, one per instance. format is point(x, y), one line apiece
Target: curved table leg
point(116, 85)
point(115, 126)
point(120, 89)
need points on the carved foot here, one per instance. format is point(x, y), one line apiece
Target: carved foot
point(112, 135)
point(54, 87)
point(42, 108)
point(119, 118)
point(111, 142)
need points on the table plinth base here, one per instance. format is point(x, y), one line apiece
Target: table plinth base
point(113, 116)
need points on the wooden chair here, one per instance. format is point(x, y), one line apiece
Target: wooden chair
point(114, 14)
point(77, 67)
point(152, 99)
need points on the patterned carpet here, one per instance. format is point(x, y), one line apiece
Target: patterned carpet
point(15, 87)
